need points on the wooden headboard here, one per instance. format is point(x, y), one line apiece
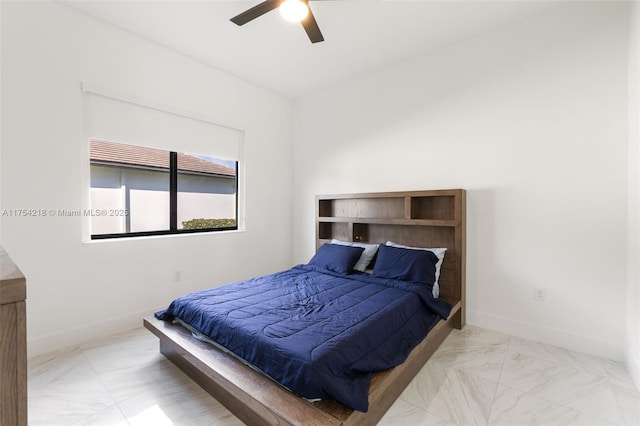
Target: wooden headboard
point(417, 218)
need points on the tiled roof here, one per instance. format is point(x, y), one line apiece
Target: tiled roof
point(136, 156)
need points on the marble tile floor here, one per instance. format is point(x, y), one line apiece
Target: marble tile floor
point(477, 377)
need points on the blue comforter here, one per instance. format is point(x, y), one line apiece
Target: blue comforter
point(319, 333)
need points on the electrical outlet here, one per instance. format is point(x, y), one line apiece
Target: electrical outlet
point(177, 275)
point(540, 294)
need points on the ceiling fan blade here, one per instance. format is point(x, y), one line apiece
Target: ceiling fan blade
point(255, 12)
point(311, 27)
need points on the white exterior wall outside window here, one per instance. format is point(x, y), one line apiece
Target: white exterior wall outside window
point(205, 197)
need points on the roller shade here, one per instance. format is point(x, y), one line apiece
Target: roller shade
point(120, 120)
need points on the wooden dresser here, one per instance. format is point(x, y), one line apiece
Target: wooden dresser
point(13, 344)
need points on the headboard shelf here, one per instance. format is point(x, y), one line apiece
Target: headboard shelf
point(416, 218)
point(389, 221)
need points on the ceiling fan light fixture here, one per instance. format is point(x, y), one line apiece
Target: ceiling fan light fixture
point(294, 10)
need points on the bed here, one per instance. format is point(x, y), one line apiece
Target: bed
point(416, 219)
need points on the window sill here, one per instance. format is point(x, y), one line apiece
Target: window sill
point(164, 236)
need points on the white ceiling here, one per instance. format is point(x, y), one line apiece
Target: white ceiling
point(360, 35)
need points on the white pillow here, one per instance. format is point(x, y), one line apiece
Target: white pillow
point(370, 250)
point(439, 252)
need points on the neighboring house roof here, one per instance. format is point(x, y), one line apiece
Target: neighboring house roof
point(111, 153)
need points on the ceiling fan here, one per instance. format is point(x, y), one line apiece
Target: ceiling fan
point(292, 10)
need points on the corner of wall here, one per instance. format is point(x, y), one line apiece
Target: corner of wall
point(632, 353)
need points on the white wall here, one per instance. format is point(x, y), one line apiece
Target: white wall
point(633, 278)
point(531, 119)
point(80, 290)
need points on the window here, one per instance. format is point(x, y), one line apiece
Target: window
point(137, 183)
point(139, 191)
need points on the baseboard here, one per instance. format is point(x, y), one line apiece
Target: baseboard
point(74, 336)
point(549, 335)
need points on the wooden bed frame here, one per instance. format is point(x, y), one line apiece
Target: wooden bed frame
point(421, 219)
